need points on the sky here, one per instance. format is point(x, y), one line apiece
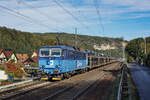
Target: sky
point(127, 19)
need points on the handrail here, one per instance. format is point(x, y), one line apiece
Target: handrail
point(121, 85)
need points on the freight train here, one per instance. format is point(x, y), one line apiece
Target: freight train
point(58, 62)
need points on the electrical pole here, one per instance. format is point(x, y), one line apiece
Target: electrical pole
point(123, 50)
point(145, 44)
point(76, 38)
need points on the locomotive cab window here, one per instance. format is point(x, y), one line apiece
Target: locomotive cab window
point(44, 52)
point(56, 52)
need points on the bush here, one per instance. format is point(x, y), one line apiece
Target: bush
point(148, 60)
point(2, 67)
point(14, 69)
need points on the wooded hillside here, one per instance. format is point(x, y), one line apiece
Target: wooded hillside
point(26, 42)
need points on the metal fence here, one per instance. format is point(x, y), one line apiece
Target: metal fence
point(124, 88)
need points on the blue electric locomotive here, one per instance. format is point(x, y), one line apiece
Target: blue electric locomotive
point(57, 61)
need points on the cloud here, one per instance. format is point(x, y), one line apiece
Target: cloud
point(56, 19)
point(134, 5)
point(43, 12)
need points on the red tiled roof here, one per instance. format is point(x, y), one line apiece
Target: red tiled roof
point(35, 59)
point(1, 51)
point(8, 54)
point(22, 57)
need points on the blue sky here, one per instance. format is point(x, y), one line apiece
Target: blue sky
point(119, 18)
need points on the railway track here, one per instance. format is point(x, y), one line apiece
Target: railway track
point(74, 91)
point(69, 89)
point(20, 90)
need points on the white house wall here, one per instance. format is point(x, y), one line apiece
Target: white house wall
point(3, 76)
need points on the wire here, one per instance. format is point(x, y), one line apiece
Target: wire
point(68, 12)
point(36, 10)
point(82, 14)
point(27, 18)
point(98, 13)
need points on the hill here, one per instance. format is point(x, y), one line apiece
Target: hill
point(26, 42)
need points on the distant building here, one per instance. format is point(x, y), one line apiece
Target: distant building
point(35, 54)
point(3, 58)
point(30, 61)
point(10, 55)
point(105, 47)
point(3, 76)
point(35, 59)
point(22, 57)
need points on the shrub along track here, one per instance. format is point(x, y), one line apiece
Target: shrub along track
point(77, 85)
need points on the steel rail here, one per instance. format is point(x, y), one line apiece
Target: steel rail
point(58, 93)
point(22, 90)
point(68, 88)
point(11, 85)
point(86, 88)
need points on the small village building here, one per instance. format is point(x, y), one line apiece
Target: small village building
point(3, 58)
point(22, 57)
point(3, 76)
point(10, 55)
point(31, 61)
point(35, 59)
point(35, 54)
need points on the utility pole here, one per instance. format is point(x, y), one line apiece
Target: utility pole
point(123, 50)
point(145, 45)
point(144, 38)
point(76, 42)
point(109, 50)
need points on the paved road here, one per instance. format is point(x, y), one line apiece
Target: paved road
point(141, 77)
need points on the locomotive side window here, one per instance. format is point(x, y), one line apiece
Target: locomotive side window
point(44, 53)
point(56, 52)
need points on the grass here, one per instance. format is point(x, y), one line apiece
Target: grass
point(2, 67)
point(1, 80)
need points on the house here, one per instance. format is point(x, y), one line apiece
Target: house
point(30, 61)
point(3, 58)
point(3, 76)
point(22, 57)
point(34, 54)
point(35, 59)
point(10, 55)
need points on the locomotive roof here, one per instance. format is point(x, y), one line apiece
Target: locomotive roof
point(60, 46)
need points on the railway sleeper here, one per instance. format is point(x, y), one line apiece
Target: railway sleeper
point(125, 94)
point(124, 84)
point(124, 88)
